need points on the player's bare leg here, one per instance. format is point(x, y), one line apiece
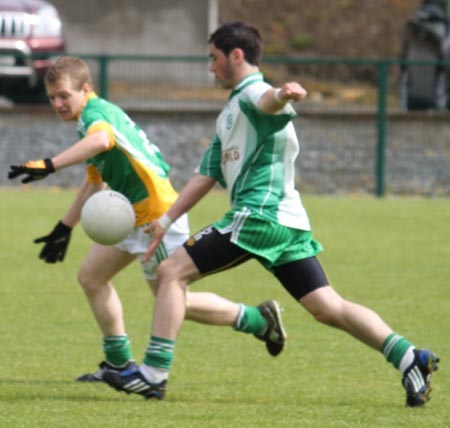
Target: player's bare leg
point(328, 307)
point(207, 308)
point(175, 274)
point(416, 365)
point(100, 265)
point(150, 380)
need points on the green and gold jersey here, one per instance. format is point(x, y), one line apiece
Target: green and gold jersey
point(133, 165)
point(252, 155)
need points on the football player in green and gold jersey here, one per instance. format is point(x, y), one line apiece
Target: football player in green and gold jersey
point(119, 155)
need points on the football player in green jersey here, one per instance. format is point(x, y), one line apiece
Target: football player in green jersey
point(252, 155)
point(119, 154)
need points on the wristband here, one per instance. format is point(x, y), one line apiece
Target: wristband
point(63, 227)
point(49, 165)
point(276, 96)
point(165, 221)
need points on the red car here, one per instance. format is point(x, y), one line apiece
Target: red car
point(30, 36)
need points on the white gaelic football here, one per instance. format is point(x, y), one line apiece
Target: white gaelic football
point(107, 217)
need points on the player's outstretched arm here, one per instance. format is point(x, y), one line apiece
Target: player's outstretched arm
point(276, 98)
point(197, 187)
point(84, 149)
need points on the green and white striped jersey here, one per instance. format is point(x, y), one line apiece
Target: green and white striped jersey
point(253, 154)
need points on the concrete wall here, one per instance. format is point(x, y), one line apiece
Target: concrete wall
point(141, 27)
point(175, 27)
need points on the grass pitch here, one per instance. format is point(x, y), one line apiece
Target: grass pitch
point(391, 255)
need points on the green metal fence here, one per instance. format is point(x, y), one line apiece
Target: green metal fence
point(352, 103)
point(335, 85)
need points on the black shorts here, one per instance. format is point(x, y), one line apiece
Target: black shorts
point(213, 252)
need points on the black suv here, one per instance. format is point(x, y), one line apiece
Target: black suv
point(30, 36)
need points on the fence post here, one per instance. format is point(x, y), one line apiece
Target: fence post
point(103, 75)
point(383, 71)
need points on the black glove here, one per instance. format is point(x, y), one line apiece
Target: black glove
point(36, 170)
point(56, 243)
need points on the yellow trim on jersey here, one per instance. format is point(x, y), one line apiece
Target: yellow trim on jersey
point(162, 194)
point(90, 95)
point(92, 175)
point(103, 126)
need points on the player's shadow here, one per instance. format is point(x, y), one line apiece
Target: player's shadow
point(80, 392)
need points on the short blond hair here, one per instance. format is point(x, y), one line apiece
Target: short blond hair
point(72, 67)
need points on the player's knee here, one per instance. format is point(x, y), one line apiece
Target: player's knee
point(324, 318)
point(175, 270)
point(168, 271)
point(86, 281)
point(82, 278)
point(328, 314)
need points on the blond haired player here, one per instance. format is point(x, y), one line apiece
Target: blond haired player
point(118, 153)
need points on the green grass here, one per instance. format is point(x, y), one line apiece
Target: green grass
point(391, 255)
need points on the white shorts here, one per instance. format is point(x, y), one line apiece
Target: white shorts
point(138, 241)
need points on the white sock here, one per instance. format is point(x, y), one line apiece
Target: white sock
point(237, 323)
point(154, 375)
point(407, 359)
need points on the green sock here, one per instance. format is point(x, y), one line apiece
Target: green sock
point(117, 350)
point(394, 348)
point(159, 353)
point(250, 320)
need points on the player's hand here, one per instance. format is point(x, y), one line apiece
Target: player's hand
point(157, 232)
point(35, 170)
point(56, 243)
point(292, 91)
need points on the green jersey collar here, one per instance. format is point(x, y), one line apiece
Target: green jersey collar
point(247, 80)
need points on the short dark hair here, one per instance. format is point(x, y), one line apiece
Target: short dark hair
point(238, 34)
